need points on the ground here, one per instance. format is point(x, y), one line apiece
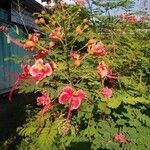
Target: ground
point(12, 115)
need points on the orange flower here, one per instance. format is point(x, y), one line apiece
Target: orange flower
point(32, 40)
point(78, 30)
point(29, 45)
point(96, 49)
point(57, 34)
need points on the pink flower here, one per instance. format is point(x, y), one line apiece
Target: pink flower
point(73, 97)
point(99, 49)
point(46, 108)
point(120, 138)
point(76, 58)
point(96, 49)
point(80, 2)
point(75, 55)
point(127, 17)
point(102, 69)
point(40, 71)
point(106, 92)
point(45, 101)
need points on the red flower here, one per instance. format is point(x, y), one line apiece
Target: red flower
point(41, 54)
point(40, 71)
point(102, 69)
point(99, 49)
point(45, 101)
point(71, 96)
point(120, 138)
point(25, 72)
point(106, 92)
point(34, 37)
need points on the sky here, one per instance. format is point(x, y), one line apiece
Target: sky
point(138, 5)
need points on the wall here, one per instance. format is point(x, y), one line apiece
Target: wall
point(8, 69)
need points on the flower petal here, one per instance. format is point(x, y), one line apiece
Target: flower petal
point(39, 61)
point(63, 98)
point(68, 90)
point(47, 69)
point(34, 71)
point(76, 101)
point(81, 94)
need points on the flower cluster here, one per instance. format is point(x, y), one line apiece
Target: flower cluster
point(39, 70)
point(95, 48)
point(32, 41)
point(56, 34)
point(45, 101)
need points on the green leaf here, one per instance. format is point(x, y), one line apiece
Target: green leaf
point(114, 103)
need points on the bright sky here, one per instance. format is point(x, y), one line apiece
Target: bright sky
point(139, 5)
point(39, 1)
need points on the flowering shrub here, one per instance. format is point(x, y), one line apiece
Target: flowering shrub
point(93, 85)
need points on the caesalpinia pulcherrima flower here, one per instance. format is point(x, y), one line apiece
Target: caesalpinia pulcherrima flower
point(25, 73)
point(120, 138)
point(73, 97)
point(102, 69)
point(40, 21)
point(42, 53)
point(45, 101)
point(106, 92)
point(95, 48)
point(80, 29)
point(31, 41)
point(39, 70)
point(57, 34)
point(76, 57)
point(127, 17)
